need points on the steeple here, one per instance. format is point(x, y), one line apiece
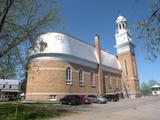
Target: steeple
point(121, 24)
point(123, 37)
point(126, 57)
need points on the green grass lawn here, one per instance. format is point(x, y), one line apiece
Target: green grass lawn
point(29, 111)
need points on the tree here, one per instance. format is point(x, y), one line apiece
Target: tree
point(21, 21)
point(146, 87)
point(150, 31)
point(152, 82)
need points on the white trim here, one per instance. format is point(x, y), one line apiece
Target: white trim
point(9, 90)
point(45, 93)
point(132, 78)
point(109, 93)
point(48, 68)
point(51, 68)
point(86, 73)
point(72, 59)
point(63, 58)
point(68, 66)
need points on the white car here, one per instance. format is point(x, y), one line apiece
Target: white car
point(97, 99)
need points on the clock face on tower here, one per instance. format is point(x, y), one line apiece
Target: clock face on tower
point(121, 39)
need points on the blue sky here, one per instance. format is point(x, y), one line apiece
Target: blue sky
point(85, 18)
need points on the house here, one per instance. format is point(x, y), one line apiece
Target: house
point(8, 89)
point(155, 89)
point(61, 64)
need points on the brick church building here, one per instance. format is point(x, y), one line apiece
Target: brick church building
point(61, 64)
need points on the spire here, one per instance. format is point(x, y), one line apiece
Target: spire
point(121, 23)
point(119, 12)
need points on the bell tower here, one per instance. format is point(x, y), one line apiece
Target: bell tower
point(126, 56)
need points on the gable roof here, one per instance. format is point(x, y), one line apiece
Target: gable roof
point(67, 45)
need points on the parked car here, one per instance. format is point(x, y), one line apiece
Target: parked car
point(71, 100)
point(112, 97)
point(85, 99)
point(97, 99)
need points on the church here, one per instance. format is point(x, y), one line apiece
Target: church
point(62, 65)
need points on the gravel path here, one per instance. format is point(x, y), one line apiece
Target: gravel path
point(145, 108)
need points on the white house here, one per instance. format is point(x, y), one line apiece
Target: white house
point(9, 89)
point(155, 89)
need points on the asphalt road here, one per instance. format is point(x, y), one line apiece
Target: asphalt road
point(144, 108)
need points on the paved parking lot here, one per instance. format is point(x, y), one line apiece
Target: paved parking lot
point(144, 108)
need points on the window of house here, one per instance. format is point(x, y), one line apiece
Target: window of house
point(123, 25)
point(92, 78)
point(128, 86)
point(126, 67)
point(81, 78)
point(119, 26)
point(53, 97)
point(10, 86)
point(42, 45)
point(68, 76)
point(117, 82)
point(135, 69)
point(110, 82)
point(4, 86)
point(106, 81)
point(137, 85)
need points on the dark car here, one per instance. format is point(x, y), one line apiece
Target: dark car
point(97, 99)
point(70, 100)
point(84, 99)
point(112, 97)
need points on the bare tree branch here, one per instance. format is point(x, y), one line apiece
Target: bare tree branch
point(8, 6)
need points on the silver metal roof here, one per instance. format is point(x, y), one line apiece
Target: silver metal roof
point(65, 44)
point(155, 86)
point(9, 82)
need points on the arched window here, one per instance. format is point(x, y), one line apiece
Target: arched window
point(126, 67)
point(42, 46)
point(92, 78)
point(119, 26)
point(81, 78)
point(123, 25)
point(117, 82)
point(110, 81)
point(68, 76)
